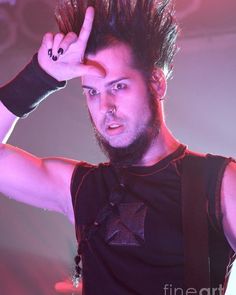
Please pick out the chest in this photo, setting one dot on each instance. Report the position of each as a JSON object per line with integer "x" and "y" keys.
{"x": 147, "y": 217}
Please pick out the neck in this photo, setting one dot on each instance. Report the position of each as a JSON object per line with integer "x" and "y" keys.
{"x": 163, "y": 145}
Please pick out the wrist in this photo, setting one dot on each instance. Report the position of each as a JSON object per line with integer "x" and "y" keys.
{"x": 30, "y": 87}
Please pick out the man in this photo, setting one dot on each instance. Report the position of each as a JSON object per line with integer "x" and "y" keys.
{"x": 127, "y": 212}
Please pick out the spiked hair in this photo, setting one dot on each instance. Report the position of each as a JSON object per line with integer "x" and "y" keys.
{"x": 147, "y": 26}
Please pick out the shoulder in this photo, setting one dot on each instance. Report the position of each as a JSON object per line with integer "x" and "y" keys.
{"x": 83, "y": 169}
{"x": 230, "y": 171}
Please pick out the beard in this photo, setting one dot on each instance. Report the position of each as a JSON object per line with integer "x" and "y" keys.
{"x": 133, "y": 153}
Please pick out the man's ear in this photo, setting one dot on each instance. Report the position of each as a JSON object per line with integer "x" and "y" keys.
{"x": 159, "y": 83}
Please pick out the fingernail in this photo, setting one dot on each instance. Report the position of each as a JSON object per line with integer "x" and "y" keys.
{"x": 60, "y": 51}
{"x": 50, "y": 52}
{"x": 54, "y": 58}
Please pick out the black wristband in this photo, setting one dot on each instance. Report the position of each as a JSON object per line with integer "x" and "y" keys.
{"x": 32, "y": 85}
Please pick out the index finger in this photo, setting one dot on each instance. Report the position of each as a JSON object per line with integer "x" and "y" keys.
{"x": 86, "y": 29}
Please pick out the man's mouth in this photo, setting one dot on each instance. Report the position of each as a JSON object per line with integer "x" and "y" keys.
{"x": 114, "y": 128}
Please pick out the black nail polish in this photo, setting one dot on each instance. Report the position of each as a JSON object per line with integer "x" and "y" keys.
{"x": 50, "y": 52}
{"x": 54, "y": 58}
{"x": 60, "y": 51}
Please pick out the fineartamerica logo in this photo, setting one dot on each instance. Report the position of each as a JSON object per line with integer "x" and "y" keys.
{"x": 170, "y": 290}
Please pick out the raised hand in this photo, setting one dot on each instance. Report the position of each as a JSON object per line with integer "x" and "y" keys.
{"x": 61, "y": 56}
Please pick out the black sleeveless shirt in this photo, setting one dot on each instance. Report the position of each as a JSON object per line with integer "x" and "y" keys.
{"x": 137, "y": 248}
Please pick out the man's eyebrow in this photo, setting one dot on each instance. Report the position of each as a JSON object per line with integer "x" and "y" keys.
{"x": 115, "y": 81}
{"x": 87, "y": 87}
{"x": 108, "y": 84}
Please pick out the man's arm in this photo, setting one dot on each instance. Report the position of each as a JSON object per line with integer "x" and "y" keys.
{"x": 44, "y": 182}
{"x": 228, "y": 203}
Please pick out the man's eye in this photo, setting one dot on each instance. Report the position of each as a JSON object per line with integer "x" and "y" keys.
{"x": 93, "y": 92}
{"x": 119, "y": 86}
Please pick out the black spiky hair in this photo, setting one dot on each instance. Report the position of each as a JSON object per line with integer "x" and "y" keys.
{"x": 147, "y": 26}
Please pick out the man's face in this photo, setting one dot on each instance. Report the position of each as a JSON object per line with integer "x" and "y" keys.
{"x": 119, "y": 104}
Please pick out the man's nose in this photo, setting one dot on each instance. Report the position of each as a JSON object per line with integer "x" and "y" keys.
{"x": 107, "y": 102}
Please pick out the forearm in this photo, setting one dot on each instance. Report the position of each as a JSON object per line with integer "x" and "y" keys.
{"x": 7, "y": 123}
{"x": 22, "y": 95}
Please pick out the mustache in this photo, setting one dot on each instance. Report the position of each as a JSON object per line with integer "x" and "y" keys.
{"x": 111, "y": 118}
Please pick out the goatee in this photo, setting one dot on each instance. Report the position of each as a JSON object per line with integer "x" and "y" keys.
{"x": 134, "y": 152}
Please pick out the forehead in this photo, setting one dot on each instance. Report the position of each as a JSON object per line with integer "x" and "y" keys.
{"x": 115, "y": 61}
